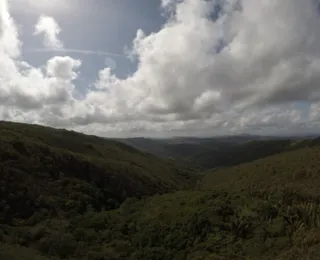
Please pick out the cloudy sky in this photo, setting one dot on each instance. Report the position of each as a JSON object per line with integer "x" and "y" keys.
{"x": 162, "y": 68}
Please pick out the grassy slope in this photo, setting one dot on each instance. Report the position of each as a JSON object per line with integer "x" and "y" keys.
{"x": 296, "y": 170}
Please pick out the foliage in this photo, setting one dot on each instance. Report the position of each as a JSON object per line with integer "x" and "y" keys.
{"x": 182, "y": 225}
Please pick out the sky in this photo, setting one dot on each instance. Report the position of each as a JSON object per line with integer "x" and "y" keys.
{"x": 162, "y": 68}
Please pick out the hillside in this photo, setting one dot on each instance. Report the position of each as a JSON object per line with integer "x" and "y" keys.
{"x": 296, "y": 170}
{"x": 61, "y": 171}
{"x": 65, "y": 195}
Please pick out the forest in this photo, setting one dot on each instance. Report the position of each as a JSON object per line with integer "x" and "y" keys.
{"x": 66, "y": 195}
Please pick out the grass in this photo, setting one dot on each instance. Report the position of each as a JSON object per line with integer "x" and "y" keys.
{"x": 297, "y": 170}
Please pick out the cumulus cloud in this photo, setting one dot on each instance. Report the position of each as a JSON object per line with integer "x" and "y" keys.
{"x": 215, "y": 67}
{"x": 63, "y": 68}
{"x": 9, "y": 41}
{"x": 245, "y": 59}
{"x": 50, "y": 29}
{"x": 28, "y": 88}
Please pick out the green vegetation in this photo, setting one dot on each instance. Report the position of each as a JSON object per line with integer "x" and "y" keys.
{"x": 296, "y": 170}
{"x": 65, "y": 195}
{"x": 42, "y": 161}
{"x": 181, "y": 225}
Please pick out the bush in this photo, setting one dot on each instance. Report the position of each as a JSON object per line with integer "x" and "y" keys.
{"x": 56, "y": 244}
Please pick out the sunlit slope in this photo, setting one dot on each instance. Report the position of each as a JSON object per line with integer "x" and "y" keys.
{"x": 298, "y": 170}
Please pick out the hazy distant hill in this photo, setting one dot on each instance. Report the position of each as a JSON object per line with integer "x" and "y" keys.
{"x": 186, "y": 147}
{"x": 216, "y": 152}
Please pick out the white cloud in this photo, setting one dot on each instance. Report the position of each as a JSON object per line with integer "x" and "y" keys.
{"x": 25, "y": 90}
{"x": 63, "y": 68}
{"x": 50, "y": 29}
{"x": 32, "y": 89}
{"x": 9, "y": 42}
{"x": 202, "y": 73}
{"x": 267, "y": 59}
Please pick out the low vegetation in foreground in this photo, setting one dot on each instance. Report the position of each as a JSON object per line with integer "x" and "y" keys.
{"x": 181, "y": 225}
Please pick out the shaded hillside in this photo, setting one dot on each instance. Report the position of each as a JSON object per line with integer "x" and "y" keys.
{"x": 53, "y": 172}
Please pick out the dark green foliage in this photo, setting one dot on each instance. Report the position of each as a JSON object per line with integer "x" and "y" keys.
{"x": 182, "y": 225}
{"x": 14, "y": 252}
